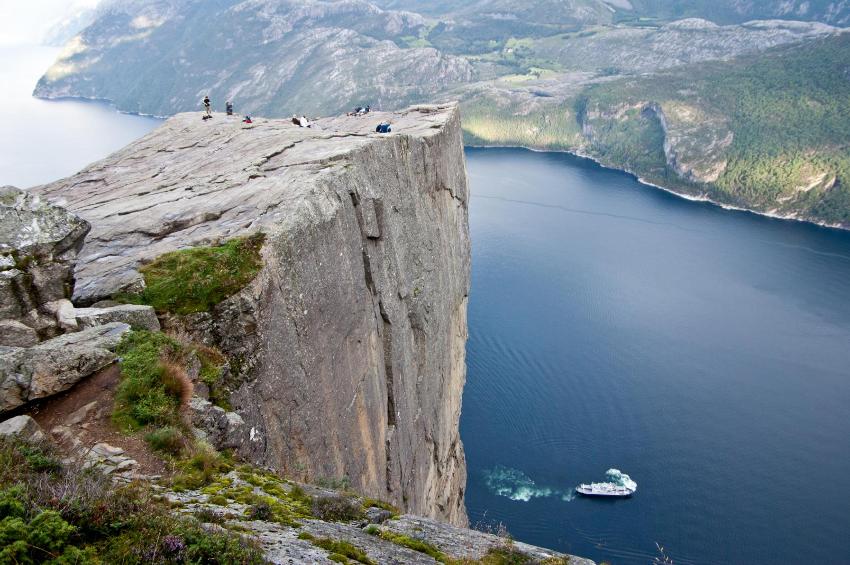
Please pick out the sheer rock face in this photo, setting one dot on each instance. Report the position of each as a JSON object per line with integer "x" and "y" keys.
{"x": 349, "y": 346}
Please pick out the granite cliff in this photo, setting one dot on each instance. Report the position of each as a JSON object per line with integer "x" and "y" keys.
{"x": 347, "y": 349}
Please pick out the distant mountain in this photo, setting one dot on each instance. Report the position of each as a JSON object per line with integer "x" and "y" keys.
{"x": 274, "y": 57}
{"x": 614, "y": 79}
{"x": 835, "y": 12}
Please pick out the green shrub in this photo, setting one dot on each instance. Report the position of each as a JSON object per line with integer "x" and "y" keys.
{"x": 336, "y": 508}
{"x": 168, "y": 440}
{"x": 375, "y": 503}
{"x": 196, "y": 279}
{"x": 261, "y": 510}
{"x": 201, "y": 469}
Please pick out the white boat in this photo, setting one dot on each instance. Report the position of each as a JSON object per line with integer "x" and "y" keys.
{"x": 604, "y": 489}
{"x": 620, "y": 486}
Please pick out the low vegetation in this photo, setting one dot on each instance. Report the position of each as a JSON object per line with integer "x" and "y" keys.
{"x": 197, "y": 279}
{"x": 408, "y": 542}
{"x": 155, "y": 388}
{"x": 338, "y": 549}
{"x": 62, "y": 514}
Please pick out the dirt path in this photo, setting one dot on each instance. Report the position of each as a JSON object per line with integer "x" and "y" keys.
{"x": 86, "y": 411}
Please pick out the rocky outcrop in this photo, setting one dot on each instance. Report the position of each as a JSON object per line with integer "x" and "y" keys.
{"x": 55, "y": 365}
{"x": 223, "y": 429}
{"x": 349, "y": 345}
{"x": 695, "y": 142}
{"x": 38, "y": 246}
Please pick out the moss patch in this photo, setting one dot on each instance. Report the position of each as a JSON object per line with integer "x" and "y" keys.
{"x": 409, "y": 542}
{"x": 338, "y": 548}
{"x": 195, "y": 280}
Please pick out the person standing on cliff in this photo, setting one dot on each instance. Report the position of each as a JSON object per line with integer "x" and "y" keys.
{"x": 207, "y": 107}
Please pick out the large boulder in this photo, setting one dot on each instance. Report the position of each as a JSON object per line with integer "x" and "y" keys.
{"x": 39, "y": 243}
{"x": 55, "y": 365}
{"x": 21, "y": 427}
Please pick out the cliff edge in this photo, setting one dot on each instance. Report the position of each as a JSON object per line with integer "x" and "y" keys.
{"x": 347, "y": 351}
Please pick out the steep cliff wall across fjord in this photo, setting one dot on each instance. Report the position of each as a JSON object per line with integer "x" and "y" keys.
{"x": 348, "y": 348}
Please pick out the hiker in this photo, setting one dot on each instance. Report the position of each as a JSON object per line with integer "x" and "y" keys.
{"x": 384, "y": 127}
{"x": 207, "y": 107}
{"x": 228, "y": 106}
{"x": 247, "y": 120}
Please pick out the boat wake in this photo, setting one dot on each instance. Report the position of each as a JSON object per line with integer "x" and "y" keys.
{"x": 516, "y": 485}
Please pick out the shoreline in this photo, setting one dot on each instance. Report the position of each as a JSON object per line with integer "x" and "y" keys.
{"x": 103, "y": 101}
{"x": 683, "y": 195}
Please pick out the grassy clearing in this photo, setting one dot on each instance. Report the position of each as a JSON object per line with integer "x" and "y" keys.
{"x": 195, "y": 280}
{"x": 63, "y": 514}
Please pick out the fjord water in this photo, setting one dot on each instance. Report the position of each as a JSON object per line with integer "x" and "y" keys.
{"x": 42, "y": 140}
{"x": 704, "y": 352}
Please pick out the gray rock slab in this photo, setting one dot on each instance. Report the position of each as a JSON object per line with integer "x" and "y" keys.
{"x": 139, "y": 317}
{"x": 379, "y": 550}
{"x": 462, "y": 543}
{"x": 16, "y": 334}
{"x": 55, "y": 365}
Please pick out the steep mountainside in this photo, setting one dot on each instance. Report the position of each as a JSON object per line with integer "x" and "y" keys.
{"x": 348, "y": 348}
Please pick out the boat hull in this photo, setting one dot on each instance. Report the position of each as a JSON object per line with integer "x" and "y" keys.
{"x": 601, "y": 495}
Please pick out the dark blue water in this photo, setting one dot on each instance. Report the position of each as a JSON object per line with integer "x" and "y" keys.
{"x": 704, "y": 352}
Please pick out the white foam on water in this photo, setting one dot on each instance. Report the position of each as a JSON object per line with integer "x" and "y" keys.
{"x": 514, "y": 484}
{"x": 619, "y": 478}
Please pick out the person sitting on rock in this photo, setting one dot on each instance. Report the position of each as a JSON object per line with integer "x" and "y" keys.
{"x": 384, "y": 127}
{"x": 247, "y": 120}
